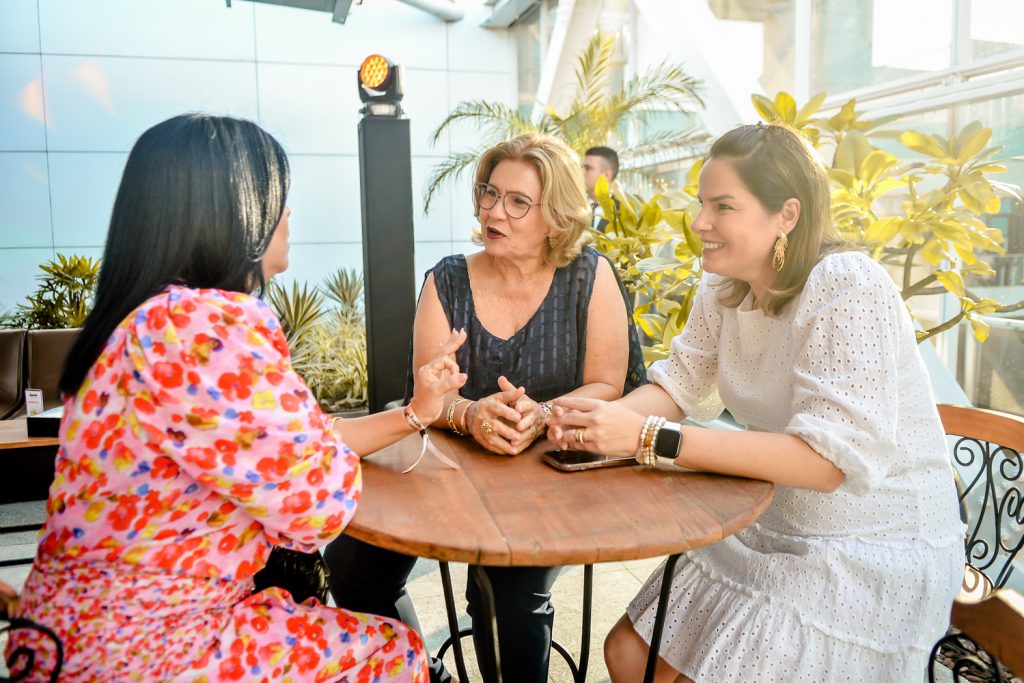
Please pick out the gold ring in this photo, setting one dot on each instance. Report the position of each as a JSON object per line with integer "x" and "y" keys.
{"x": 486, "y": 426}
{"x": 581, "y": 435}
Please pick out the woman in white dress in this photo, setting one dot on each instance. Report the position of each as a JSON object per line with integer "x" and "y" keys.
{"x": 850, "y": 573}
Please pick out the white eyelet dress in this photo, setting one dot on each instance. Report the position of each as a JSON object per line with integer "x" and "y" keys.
{"x": 854, "y": 585}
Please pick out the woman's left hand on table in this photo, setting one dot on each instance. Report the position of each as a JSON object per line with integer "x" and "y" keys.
{"x": 531, "y": 425}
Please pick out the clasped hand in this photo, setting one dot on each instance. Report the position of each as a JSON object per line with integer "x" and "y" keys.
{"x": 507, "y": 421}
{"x": 588, "y": 424}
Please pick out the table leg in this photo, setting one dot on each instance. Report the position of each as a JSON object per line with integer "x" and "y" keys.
{"x": 489, "y": 620}
{"x": 588, "y": 593}
{"x": 453, "y": 623}
{"x": 659, "y": 617}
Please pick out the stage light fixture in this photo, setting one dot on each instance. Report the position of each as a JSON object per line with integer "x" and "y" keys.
{"x": 380, "y": 87}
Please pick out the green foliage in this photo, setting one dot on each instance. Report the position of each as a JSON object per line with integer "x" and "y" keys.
{"x": 936, "y": 240}
{"x": 327, "y": 337}
{"x": 63, "y": 298}
{"x": 595, "y": 116}
{"x": 656, "y": 252}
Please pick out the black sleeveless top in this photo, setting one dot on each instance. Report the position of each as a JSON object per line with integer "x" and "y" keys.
{"x": 546, "y": 356}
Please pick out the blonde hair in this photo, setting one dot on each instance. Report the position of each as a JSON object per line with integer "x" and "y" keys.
{"x": 776, "y": 164}
{"x": 563, "y": 196}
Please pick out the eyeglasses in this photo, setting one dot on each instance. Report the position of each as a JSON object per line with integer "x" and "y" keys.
{"x": 516, "y": 204}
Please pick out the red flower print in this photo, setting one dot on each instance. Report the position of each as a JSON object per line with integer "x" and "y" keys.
{"x": 202, "y": 457}
{"x": 169, "y": 375}
{"x": 274, "y": 377}
{"x": 227, "y": 544}
{"x": 272, "y": 468}
{"x": 305, "y": 657}
{"x": 157, "y": 318}
{"x": 164, "y": 468}
{"x": 290, "y": 403}
{"x": 121, "y": 517}
{"x": 231, "y": 669}
{"x": 89, "y": 401}
{"x": 315, "y": 476}
{"x": 296, "y": 503}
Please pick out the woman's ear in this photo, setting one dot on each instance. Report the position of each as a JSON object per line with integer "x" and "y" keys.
{"x": 789, "y": 214}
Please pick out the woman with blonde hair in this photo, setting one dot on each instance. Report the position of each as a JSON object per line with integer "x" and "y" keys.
{"x": 850, "y": 572}
{"x": 546, "y": 316}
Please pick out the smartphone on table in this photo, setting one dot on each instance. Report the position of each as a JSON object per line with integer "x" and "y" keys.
{"x": 574, "y": 461}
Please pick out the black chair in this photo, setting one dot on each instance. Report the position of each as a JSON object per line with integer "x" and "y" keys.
{"x": 12, "y": 349}
{"x": 22, "y": 661}
{"x": 987, "y": 622}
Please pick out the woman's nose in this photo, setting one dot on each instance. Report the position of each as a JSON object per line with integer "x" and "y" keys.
{"x": 700, "y": 223}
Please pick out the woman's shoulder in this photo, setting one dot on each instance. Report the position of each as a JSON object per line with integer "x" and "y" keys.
{"x": 849, "y": 268}
{"x": 203, "y": 310}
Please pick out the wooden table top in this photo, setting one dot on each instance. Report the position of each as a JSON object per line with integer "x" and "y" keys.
{"x": 499, "y": 510}
{"x": 13, "y": 434}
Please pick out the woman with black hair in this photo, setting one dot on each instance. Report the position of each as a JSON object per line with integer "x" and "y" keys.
{"x": 189, "y": 446}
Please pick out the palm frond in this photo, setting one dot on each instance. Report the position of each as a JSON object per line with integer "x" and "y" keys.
{"x": 592, "y": 69}
{"x": 665, "y": 85}
{"x": 499, "y": 119}
{"x": 298, "y": 310}
{"x": 345, "y": 287}
{"x": 446, "y": 171}
{"x": 692, "y": 142}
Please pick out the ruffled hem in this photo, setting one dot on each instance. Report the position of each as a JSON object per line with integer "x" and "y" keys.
{"x": 717, "y": 629}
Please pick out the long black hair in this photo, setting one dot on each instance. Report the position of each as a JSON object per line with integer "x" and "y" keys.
{"x": 198, "y": 204}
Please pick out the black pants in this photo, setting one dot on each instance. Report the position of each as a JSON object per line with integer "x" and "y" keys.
{"x": 365, "y": 578}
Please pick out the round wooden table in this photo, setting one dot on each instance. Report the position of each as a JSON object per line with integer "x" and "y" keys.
{"x": 517, "y": 511}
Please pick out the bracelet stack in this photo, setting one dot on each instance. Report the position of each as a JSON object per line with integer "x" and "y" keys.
{"x": 545, "y": 408}
{"x": 450, "y": 416}
{"x": 645, "y": 450}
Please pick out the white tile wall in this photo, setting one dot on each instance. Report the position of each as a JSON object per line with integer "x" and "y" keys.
{"x": 106, "y": 70}
{"x": 324, "y": 199}
{"x": 103, "y": 104}
{"x": 25, "y": 198}
{"x": 82, "y": 191}
{"x": 21, "y": 103}
{"x": 19, "y": 26}
{"x": 187, "y": 29}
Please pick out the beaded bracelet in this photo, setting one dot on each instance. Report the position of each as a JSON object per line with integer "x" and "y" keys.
{"x": 649, "y": 456}
{"x": 450, "y": 416}
{"x": 643, "y": 437}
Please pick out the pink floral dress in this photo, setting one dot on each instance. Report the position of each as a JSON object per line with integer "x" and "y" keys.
{"x": 191, "y": 448}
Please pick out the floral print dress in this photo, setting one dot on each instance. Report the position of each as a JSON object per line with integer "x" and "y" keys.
{"x": 190, "y": 449}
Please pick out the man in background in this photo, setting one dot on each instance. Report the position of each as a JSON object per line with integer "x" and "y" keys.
{"x": 597, "y": 162}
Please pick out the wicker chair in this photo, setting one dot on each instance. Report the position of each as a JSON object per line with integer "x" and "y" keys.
{"x": 987, "y": 621}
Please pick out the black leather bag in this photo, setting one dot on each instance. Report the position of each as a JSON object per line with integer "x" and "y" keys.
{"x": 304, "y": 575}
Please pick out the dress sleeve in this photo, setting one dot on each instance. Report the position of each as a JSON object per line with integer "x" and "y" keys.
{"x": 220, "y": 398}
{"x": 849, "y": 329}
{"x": 690, "y": 372}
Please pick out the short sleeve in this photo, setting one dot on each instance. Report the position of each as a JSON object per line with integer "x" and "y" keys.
{"x": 849, "y": 333}
{"x": 219, "y": 397}
{"x": 690, "y": 372}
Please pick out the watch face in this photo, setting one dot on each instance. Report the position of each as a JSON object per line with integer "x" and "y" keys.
{"x": 667, "y": 443}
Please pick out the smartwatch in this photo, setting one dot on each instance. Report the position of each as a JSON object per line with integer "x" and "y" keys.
{"x": 668, "y": 441}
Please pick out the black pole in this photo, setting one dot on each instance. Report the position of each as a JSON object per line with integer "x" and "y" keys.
{"x": 385, "y": 179}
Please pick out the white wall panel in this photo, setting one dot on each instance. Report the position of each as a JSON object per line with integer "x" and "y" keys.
{"x": 324, "y": 199}
{"x": 437, "y": 225}
{"x": 21, "y": 104}
{"x": 471, "y": 47}
{"x": 19, "y": 29}
{"x": 83, "y": 187}
{"x": 25, "y": 198}
{"x": 404, "y": 35}
{"x": 104, "y": 104}
{"x": 310, "y": 109}
{"x": 426, "y": 106}
{"x": 465, "y": 85}
{"x": 191, "y": 29}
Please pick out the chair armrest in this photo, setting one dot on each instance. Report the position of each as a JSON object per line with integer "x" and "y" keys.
{"x": 996, "y": 624}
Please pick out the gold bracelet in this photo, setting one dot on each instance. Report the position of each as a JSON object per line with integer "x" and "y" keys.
{"x": 465, "y": 417}
{"x": 450, "y": 416}
{"x": 331, "y": 421}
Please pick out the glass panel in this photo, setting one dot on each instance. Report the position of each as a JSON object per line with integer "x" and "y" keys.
{"x": 993, "y": 373}
{"x": 996, "y": 27}
{"x": 858, "y": 44}
{"x": 528, "y": 50}
{"x": 760, "y": 35}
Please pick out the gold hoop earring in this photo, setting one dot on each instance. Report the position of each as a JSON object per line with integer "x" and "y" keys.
{"x": 779, "y": 255}
{"x": 551, "y": 242}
